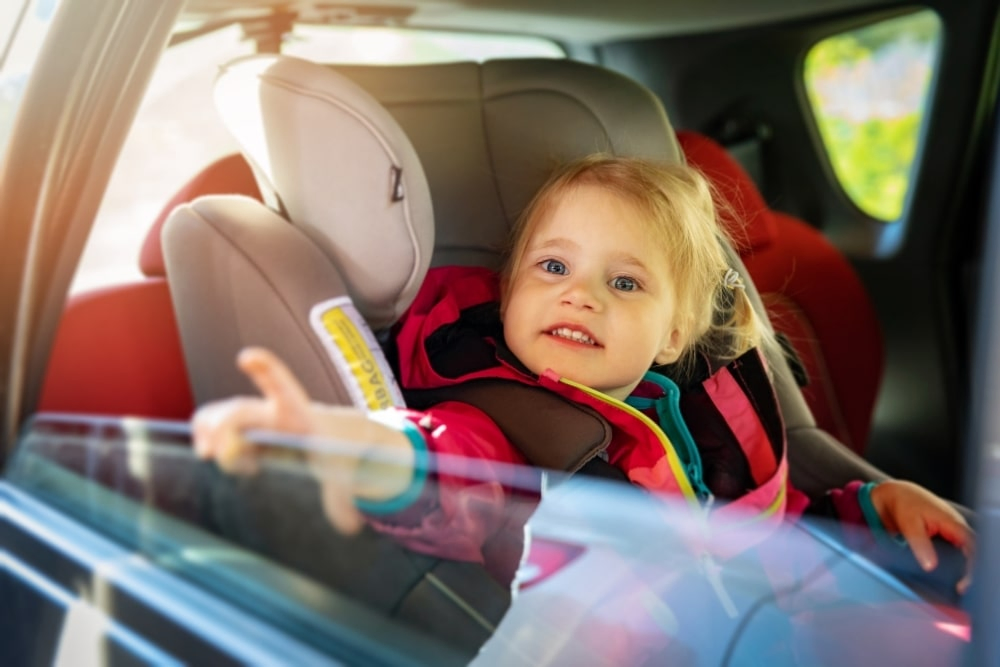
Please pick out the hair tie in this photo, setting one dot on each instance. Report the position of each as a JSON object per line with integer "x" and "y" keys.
{"x": 731, "y": 280}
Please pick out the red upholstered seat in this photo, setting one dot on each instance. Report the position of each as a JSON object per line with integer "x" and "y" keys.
{"x": 117, "y": 350}
{"x": 812, "y": 294}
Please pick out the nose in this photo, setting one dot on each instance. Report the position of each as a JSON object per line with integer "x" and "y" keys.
{"x": 583, "y": 293}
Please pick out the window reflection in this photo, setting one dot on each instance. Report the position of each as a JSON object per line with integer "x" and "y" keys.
{"x": 607, "y": 574}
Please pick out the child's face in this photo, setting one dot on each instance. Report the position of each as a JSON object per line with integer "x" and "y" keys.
{"x": 592, "y": 298}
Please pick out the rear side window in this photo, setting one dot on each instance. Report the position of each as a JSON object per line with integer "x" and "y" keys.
{"x": 869, "y": 90}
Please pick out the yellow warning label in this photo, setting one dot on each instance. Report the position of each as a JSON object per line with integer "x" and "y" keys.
{"x": 360, "y": 359}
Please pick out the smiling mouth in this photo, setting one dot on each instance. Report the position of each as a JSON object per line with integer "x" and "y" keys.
{"x": 573, "y": 335}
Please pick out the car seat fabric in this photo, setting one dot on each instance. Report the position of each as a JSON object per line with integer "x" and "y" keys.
{"x": 811, "y": 293}
{"x": 117, "y": 349}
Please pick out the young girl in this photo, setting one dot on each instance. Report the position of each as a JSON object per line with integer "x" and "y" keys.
{"x": 617, "y": 267}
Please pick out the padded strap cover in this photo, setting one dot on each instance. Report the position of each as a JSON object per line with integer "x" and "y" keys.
{"x": 551, "y": 432}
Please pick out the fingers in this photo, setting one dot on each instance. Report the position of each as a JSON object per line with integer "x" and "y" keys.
{"x": 969, "y": 550}
{"x": 218, "y": 430}
{"x": 958, "y": 533}
{"x": 218, "y": 427}
{"x": 218, "y": 433}
{"x": 914, "y": 531}
{"x": 278, "y": 385}
{"x": 963, "y": 584}
{"x": 938, "y": 519}
{"x": 918, "y": 515}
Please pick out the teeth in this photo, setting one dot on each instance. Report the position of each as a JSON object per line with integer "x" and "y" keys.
{"x": 566, "y": 332}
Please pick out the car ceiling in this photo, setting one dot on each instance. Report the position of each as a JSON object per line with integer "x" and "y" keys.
{"x": 571, "y": 21}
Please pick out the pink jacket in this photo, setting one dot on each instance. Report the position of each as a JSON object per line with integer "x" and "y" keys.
{"x": 470, "y": 512}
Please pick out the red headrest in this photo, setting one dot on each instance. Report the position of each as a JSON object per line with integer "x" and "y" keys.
{"x": 744, "y": 214}
{"x": 228, "y": 175}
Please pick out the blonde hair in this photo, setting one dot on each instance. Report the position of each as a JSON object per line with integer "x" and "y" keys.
{"x": 714, "y": 317}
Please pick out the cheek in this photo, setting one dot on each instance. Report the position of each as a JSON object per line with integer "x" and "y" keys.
{"x": 511, "y": 315}
{"x": 517, "y": 306}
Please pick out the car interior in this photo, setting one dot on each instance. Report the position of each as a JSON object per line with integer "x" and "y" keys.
{"x": 245, "y": 249}
{"x": 826, "y": 290}
{"x": 231, "y": 271}
{"x": 164, "y": 391}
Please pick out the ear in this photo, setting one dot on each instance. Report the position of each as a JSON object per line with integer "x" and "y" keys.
{"x": 671, "y": 350}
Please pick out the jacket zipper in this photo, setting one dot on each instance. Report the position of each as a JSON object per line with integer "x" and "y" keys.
{"x": 689, "y": 480}
{"x": 683, "y": 480}
{"x": 693, "y": 464}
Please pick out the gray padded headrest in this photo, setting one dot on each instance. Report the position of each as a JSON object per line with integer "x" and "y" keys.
{"x": 340, "y": 168}
{"x": 489, "y": 134}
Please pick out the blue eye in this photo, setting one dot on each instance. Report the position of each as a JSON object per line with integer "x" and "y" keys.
{"x": 554, "y": 266}
{"x": 624, "y": 284}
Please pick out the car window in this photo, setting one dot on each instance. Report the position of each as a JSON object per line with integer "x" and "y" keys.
{"x": 608, "y": 573}
{"x": 869, "y": 89}
{"x": 177, "y": 131}
{"x": 22, "y": 31}
{"x": 261, "y": 543}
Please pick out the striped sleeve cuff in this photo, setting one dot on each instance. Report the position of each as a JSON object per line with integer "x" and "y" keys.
{"x": 872, "y": 518}
{"x": 421, "y": 459}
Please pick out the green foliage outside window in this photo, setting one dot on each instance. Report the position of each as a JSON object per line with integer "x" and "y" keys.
{"x": 868, "y": 90}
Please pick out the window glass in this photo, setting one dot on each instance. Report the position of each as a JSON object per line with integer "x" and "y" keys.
{"x": 605, "y": 573}
{"x": 177, "y": 131}
{"x": 18, "y": 51}
{"x": 869, "y": 91}
{"x": 175, "y": 134}
{"x": 260, "y": 542}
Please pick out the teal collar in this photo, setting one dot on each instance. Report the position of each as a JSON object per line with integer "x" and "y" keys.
{"x": 670, "y": 420}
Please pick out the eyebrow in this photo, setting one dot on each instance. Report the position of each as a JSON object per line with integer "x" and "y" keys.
{"x": 629, "y": 260}
{"x": 557, "y": 242}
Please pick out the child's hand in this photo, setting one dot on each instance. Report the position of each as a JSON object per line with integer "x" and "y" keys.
{"x": 218, "y": 427}
{"x": 218, "y": 430}
{"x": 918, "y": 515}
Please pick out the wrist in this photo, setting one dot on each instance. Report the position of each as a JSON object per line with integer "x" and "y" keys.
{"x": 390, "y": 476}
{"x": 869, "y": 510}
{"x": 872, "y": 507}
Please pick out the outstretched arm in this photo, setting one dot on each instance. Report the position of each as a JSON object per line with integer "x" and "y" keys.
{"x": 379, "y": 467}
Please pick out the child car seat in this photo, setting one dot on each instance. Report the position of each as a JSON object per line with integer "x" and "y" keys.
{"x": 487, "y": 135}
{"x": 811, "y": 293}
